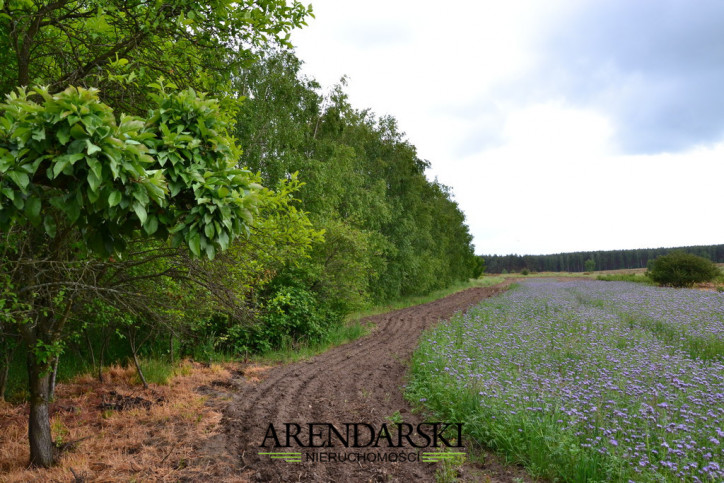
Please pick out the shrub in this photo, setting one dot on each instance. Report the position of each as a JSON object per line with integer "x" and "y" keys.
{"x": 291, "y": 315}
{"x": 680, "y": 269}
{"x": 525, "y": 271}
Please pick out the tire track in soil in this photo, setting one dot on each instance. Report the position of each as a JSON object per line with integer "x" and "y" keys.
{"x": 361, "y": 381}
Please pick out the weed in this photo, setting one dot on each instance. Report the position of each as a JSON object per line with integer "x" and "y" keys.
{"x": 396, "y": 418}
{"x": 449, "y": 468}
{"x": 60, "y": 431}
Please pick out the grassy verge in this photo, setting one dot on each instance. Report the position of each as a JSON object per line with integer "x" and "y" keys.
{"x": 337, "y": 335}
{"x": 403, "y": 303}
{"x": 626, "y": 277}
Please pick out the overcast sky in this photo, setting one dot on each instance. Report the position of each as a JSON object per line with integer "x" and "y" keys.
{"x": 561, "y": 125}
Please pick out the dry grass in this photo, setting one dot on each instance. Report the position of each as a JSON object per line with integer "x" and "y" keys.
{"x": 134, "y": 444}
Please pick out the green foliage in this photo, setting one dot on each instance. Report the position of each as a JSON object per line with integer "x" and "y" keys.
{"x": 680, "y": 269}
{"x": 282, "y": 237}
{"x": 291, "y": 315}
{"x": 478, "y": 267}
{"x": 590, "y": 265}
{"x": 389, "y": 232}
{"x": 626, "y": 277}
{"x": 525, "y": 271}
{"x": 80, "y": 188}
{"x": 603, "y": 260}
{"x": 92, "y": 43}
{"x": 67, "y": 162}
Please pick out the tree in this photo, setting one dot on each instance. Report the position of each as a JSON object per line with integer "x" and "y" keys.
{"x": 79, "y": 186}
{"x": 96, "y": 43}
{"x": 364, "y": 185}
{"x": 681, "y": 269}
{"x": 590, "y": 265}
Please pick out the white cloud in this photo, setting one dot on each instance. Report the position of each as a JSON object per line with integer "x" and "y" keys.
{"x": 528, "y": 118}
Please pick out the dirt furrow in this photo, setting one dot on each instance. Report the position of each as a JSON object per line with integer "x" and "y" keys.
{"x": 361, "y": 382}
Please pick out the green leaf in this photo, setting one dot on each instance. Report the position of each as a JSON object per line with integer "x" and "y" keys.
{"x": 210, "y": 251}
{"x": 195, "y": 244}
{"x": 39, "y": 134}
{"x": 63, "y": 135}
{"x": 223, "y": 240}
{"x": 209, "y": 231}
{"x": 95, "y": 166}
{"x": 72, "y": 209}
{"x": 93, "y": 196}
{"x": 77, "y": 131}
{"x": 94, "y": 181}
{"x": 19, "y": 178}
{"x": 61, "y": 162}
{"x": 91, "y": 148}
{"x": 223, "y": 192}
{"x": 151, "y": 225}
{"x": 114, "y": 198}
{"x": 9, "y": 193}
{"x": 49, "y": 224}
{"x": 140, "y": 211}
{"x": 32, "y": 209}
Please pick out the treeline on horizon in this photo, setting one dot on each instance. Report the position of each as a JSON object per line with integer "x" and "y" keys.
{"x": 602, "y": 260}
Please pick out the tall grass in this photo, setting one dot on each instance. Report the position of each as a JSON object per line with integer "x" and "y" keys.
{"x": 405, "y": 302}
{"x": 626, "y": 277}
{"x": 336, "y": 335}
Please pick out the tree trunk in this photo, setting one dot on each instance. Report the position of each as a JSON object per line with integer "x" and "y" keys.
{"x": 7, "y": 358}
{"x": 41, "y": 442}
{"x": 104, "y": 343}
{"x": 170, "y": 347}
{"x": 53, "y": 376}
{"x": 4, "y": 371}
{"x": 90, "y": 349}
{"x": 138, "y": 368}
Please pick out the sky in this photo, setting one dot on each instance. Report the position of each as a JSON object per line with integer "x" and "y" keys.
{"x": 560, "y": 125}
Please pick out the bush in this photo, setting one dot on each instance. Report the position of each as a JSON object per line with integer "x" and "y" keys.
{"x": 291, "y": 315}
{"x": 680, "y": 269}
{"x": 525, "y": 271}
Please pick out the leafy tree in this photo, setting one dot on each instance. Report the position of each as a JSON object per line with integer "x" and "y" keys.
{"x": 681, "y": 269}
{"x": 97, "y": 43}
{"x": 364, "y": 185}
{"x": 79, "y": 186}
{"x": 590, "y": 265}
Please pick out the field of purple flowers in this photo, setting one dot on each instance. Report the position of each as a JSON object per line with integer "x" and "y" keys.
{"x": 586, "y": 381}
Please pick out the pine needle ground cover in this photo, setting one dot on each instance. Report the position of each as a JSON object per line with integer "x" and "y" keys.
{"x": 585, "y": 381}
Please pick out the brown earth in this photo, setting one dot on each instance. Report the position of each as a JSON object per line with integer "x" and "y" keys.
{"x": 360, "y": 382}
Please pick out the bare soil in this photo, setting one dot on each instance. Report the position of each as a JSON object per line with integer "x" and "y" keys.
{"x": 360, "y": 382}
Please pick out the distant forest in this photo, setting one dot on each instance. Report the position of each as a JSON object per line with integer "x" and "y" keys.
{"x": 603, "y": 260}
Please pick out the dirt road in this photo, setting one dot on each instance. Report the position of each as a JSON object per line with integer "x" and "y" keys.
{"x": 361, "y": 382}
